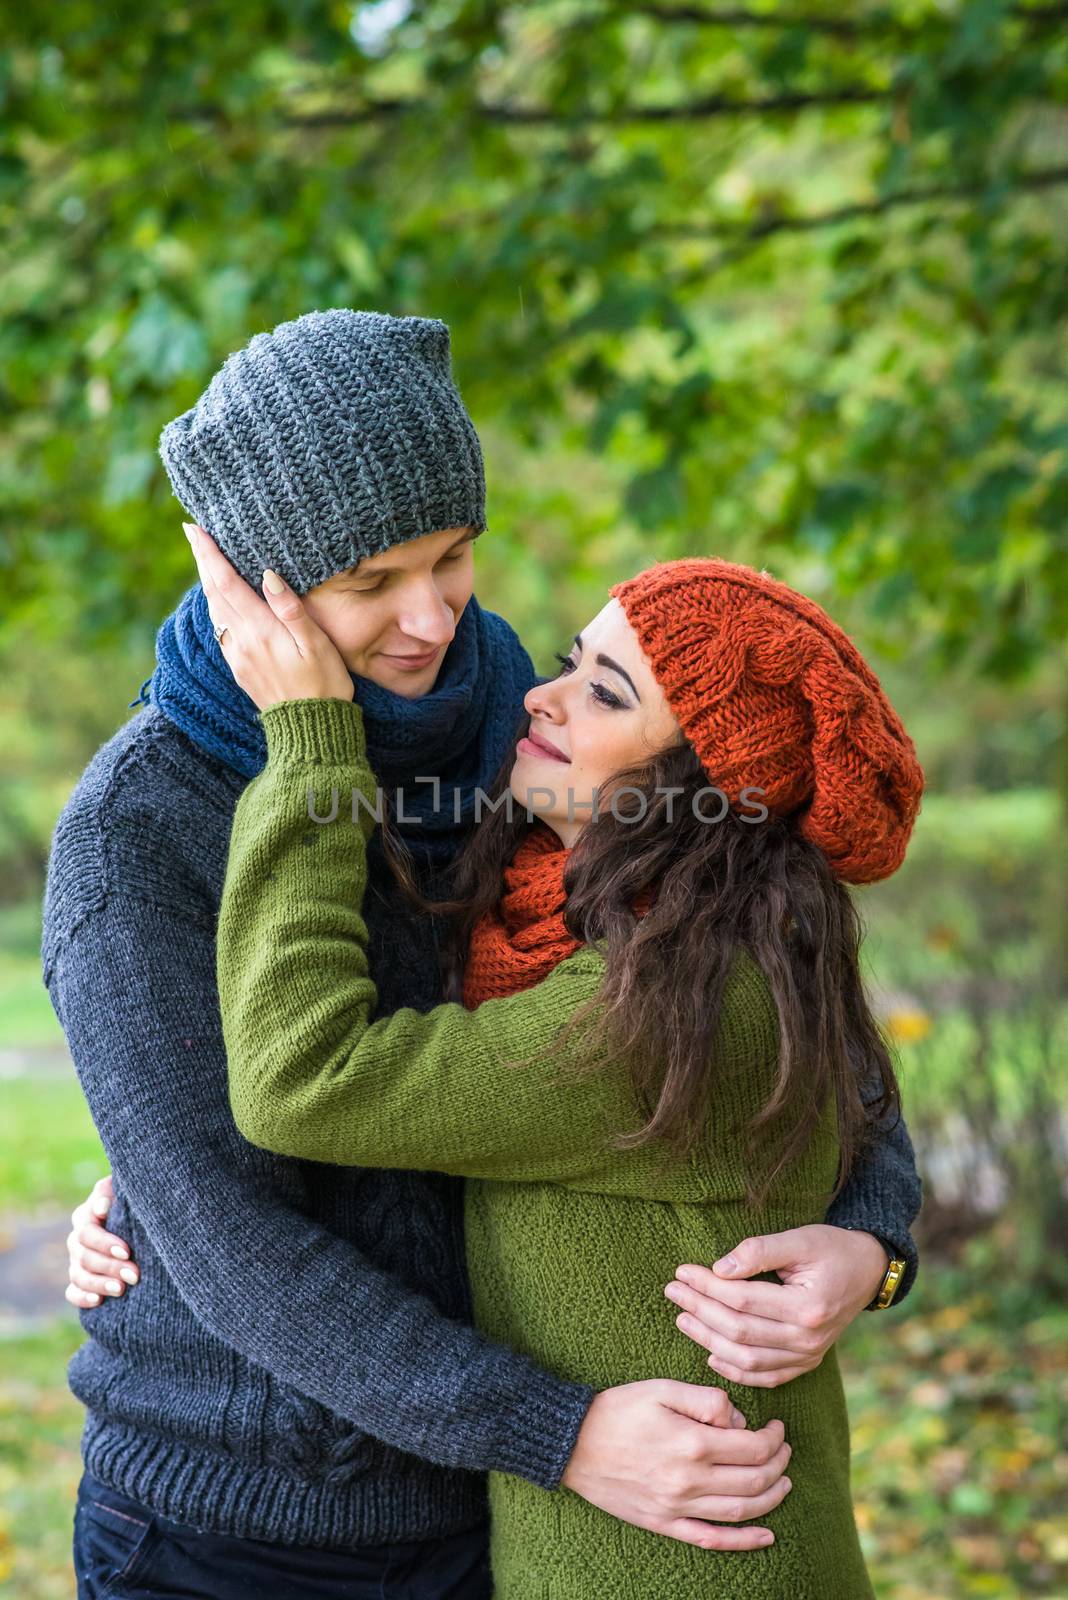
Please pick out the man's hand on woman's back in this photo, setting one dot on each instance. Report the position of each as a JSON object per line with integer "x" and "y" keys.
{"x": 671, "y": 1457}
{"x": 677, "y": 1458}
{"x": 764, "y": 1334}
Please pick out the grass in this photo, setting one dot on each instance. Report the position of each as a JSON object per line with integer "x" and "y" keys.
{"x": 40, "y": 1462}
{"x": 958, "y": 1405}
{"x": 960, "y": 1472}
{"x": 50, "y": 1154}
{"x": 26, "y": 1015}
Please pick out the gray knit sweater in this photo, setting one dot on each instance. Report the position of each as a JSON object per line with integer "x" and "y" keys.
{"x": 297, "y": 1363}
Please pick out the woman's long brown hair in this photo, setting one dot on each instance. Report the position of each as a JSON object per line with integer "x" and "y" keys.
{"x": 721, "y": 886}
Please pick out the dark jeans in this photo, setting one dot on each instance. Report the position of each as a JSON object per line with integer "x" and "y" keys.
{"x": 124, "y": 1551}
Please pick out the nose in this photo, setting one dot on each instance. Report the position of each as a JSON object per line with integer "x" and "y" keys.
{"x": 426, "y": 615}
{"x": 545, "y": 700}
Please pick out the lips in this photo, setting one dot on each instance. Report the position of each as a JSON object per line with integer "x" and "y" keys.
{"x": 545, "y": 748}
{"x": 416, "y": 660}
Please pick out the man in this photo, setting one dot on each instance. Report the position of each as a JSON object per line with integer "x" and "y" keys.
{"x": 310, "y": 1412}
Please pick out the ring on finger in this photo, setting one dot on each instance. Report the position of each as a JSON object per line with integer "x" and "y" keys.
{"x": 218, "y": 632}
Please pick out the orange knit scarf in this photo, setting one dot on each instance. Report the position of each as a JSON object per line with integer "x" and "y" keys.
{"x": 523, "y": 938}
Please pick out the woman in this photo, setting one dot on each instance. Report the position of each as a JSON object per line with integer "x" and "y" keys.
{"x": 663, "y": 1021}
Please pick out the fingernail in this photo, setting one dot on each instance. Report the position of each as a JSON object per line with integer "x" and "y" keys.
{"x": 684, "y": 1275}
{"x": 787, "y": 1484}
{"x": 766, "y": 1538}
{"x": 738, "y": 1419}
{"x": 113, "y": 1286}
{"x": 119, "y": 1253}
{"x": 727, "y": 1265}
{"x": 673, "y": 1293}
{"x": 189, "y": 531}
{"x": 273, "y": 583}
{"x": 100, "y": 1208}
{"x": 93, "y": 1299}
{"x": 128, "y": 1275}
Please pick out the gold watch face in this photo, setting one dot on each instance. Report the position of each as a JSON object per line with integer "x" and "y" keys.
{"x": 894, "y": 1273}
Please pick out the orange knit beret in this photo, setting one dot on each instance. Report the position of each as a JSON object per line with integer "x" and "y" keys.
{"x": 774, "y": 696}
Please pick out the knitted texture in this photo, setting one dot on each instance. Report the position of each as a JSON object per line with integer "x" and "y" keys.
{"x": 773, "y": 696}
{"x": 521, "y": 939}
{"x": 569, "y": 1239}
{"x": 297, "y": 1362}
{"x": 459, "y": 732}
{"x": 328, "y": 440}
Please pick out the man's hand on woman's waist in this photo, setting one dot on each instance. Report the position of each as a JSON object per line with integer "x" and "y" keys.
{"x": 763, "y": 1334}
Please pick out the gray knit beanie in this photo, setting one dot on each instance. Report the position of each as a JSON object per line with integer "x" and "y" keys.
{"x": 328, "y": 440}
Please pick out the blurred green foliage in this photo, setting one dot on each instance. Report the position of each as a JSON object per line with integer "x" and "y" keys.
{"x": 776, "y": 283}
{"x": 26, "y": 1015}
{"x": 798, "y": 283}
{"x": 40, "y": 1463}
{"x": 50, "y": 1155}
{"x": 959, "y": 1472}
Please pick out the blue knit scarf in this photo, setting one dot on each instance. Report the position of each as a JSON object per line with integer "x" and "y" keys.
{"x": 460, "y": 732}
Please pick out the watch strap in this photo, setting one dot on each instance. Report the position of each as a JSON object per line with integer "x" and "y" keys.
{"x": 889, "y": 1286}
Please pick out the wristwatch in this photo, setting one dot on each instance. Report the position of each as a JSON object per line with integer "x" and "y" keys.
{"x": 889, "y": 1286}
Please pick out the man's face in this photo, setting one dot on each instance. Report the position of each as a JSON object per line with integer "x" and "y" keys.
{"x": 393, "y": 615}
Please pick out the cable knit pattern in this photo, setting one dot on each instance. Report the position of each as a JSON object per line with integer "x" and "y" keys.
{"x": 569, "y": 1240}
{"x": 774, "y": 696}
{"x": 257, "y": 1422}
{"x": 297, "y": 1362}
{"x": 332, "y": 438}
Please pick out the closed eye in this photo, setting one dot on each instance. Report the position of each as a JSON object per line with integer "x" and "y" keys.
{"x": 453, "y": 555}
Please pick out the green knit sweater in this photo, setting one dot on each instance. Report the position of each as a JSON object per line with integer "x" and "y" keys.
{"x": 569, "y": 1240}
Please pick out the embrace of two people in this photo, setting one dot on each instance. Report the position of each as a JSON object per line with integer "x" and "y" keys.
{"x": 446, "y": 1026}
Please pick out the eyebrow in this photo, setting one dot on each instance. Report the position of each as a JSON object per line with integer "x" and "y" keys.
{"x": 613, "y": 666}
{"x": 349, "y": 572}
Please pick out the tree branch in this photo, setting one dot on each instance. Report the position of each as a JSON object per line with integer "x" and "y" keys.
{"x": 548, "y": 116}
{"x": 783, "y": 222}
{"x": 842, "y": 27}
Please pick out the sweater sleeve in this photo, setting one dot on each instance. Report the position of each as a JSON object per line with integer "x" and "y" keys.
{"x": 480, "y": 1093}
{"x": 882, "y": 1196}
{"x": 134, "y": 987}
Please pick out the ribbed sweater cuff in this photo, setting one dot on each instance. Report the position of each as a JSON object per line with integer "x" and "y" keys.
{"x": 326, "y": 733}
{"x": 539, "y": 1427}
